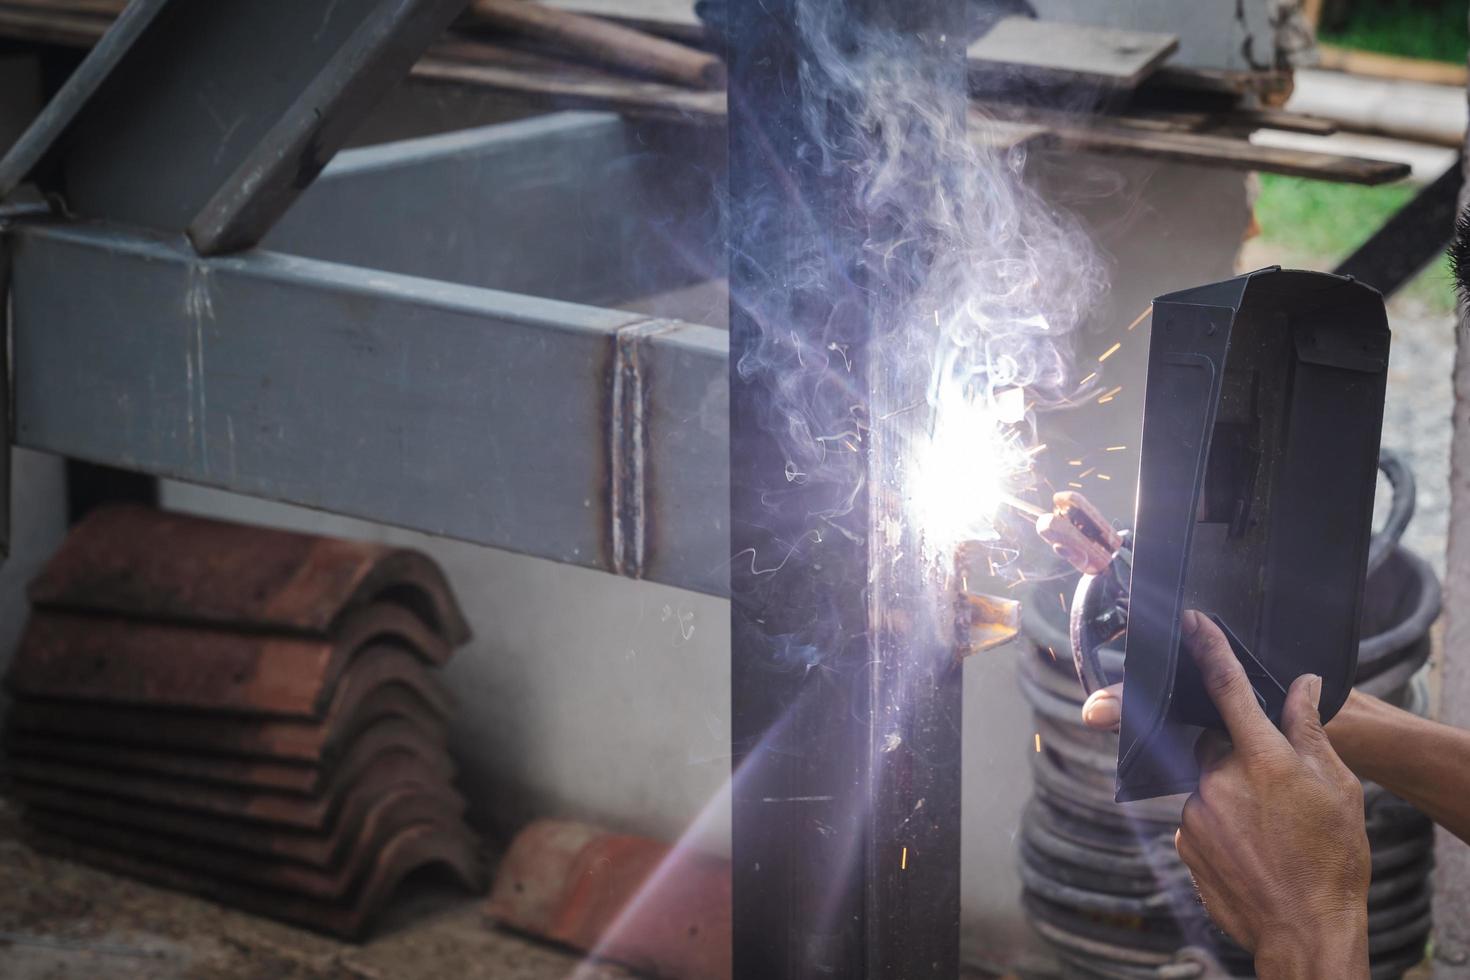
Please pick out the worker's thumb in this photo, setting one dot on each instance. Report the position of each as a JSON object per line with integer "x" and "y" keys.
{"x": 1300, "y": 720}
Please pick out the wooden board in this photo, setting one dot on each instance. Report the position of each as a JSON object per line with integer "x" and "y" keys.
{"x": 672, "y": 18}
{"x": 1373, "y": 65}
{"x": 1101, "y": 55}
{"x": 558, "y": 84}
{"x": 1228, "y": 152}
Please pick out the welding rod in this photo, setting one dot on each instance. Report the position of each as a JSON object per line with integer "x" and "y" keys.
{"x": 602, "y": 41}
{"x": 1023, "y": 506}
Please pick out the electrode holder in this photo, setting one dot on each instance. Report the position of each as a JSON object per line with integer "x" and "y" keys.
{"x": 1256, "y": 481}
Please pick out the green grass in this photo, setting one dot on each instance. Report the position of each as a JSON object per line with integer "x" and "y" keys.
{"x": 1413, "y": 28}
{"x": 1319, "y": 224}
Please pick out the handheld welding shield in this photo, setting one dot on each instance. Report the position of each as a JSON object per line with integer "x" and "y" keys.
{"x": 1255, "y": 499}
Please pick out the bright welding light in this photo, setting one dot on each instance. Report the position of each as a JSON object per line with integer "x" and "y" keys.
{"x": 971, "y": 463}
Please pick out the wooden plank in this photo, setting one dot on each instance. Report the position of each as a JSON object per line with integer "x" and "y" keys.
{"x": 1374, "y": 65}
{"x": 602, "y": 42}
{"x": 1272, "y": 87}
{"x": 107, "y": 8}
{"x": 558, "y": 84}
{"x": 1279, "y": 119}
{"x": 671, "y": 18}
{"x": 1228, "y": 152}
{"x": 49, "y": 28}
{"x": 62, "y": 110}
{"x": 1230, "y": 120}
{"x": 1102, "y": 55}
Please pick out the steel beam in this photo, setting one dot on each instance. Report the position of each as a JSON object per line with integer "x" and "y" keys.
{"x": 578, "y": 206}
{"x": 845, "y": 720}
{"x": 177, "y": 127}
{"x": 1411, "y": 239}
{"x": 582, "y": 435}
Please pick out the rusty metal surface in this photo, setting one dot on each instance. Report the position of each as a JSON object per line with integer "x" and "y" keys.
{"x": 359, "y": 702}
{"x": 153, "y": 564}
{"x": 361, "y": 814}
{"x": 81, "y": 657}
{"x": 417, "y": 847}
{"x": 387, "y": 735}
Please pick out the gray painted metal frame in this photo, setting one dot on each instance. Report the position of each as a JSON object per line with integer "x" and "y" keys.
{"x": 75, "y": 92}
{"x": 588, "y": 436}
{"x": 578, "y": 206}
{"x": 177, "y": 128}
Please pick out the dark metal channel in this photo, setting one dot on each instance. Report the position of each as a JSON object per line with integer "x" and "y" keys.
{"x": 1412, "y": 238}
{"x": 845, "y": 699}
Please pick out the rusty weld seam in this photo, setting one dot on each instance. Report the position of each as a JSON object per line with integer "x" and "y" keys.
{"x": 627, "y": 452}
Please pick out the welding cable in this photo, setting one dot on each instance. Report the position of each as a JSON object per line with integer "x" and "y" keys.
{"x": 1147, "y": 860}
{"x": 1153, "y": 905}
{"x": 1400, "y": 507}
{"x": 1098, "y": 616}
{"x": 1394, "y": 679}
{"x": 1088, "y": 879}
{"x": 1406, "y": 580}
{"x": 1085, "y": 833}
{"x": 1157, "y": 933}
{"x": 1110, "y": 953}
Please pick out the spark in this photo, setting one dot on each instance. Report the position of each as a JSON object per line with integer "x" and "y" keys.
{"x": 1074, "y": 462}
{"x": 1109, "y": 395}
{"x": 1141, "y": 317}
{"x": 1115, "y": 449}
{"x": 1053, "y": 654}
{"x": 903, "y": 862}
{"x": 1110, "y": 351}
{"x": 1038, "y": 741}
{"x": 1077, "y": 485}
{"x": 1063, "y": 600}
{"x": 899, "y": 411}
{"x": 1083, "y": 382}
{"x": 936, "y": 318}
{"x": 1035, "y": 450}
{"x": 1103, "y": 476}
{"x": 1086, "y": 473}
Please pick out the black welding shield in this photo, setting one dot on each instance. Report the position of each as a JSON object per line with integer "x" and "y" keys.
{"x": 1255, "y": 501}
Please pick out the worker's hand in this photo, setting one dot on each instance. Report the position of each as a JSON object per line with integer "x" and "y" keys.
{"x": 1103, "y": 708}
{"x": 1274, "y": 836}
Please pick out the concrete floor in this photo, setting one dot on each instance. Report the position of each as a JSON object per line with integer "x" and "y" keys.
{"x": 60, "y": 921}
{"x": 66, "y": 921}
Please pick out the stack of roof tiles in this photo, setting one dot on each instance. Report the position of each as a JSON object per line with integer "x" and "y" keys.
{"x": 248, "y": 714}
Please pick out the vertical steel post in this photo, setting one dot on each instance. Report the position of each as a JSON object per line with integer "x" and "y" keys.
{"x": 845, "y": 688}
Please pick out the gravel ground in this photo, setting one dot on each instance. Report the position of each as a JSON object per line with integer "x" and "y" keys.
{"x": 1416, "y": 417}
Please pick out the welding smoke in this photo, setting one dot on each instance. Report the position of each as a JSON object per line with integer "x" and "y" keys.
{"x": 972, "y": 285}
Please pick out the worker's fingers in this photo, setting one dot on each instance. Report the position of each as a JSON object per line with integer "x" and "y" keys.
{"x": 1211, "y": 749}
{"x": 1226, "y": 683}
{"x": 1300, "y": 720}
{"x": 1103, "y": 709}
